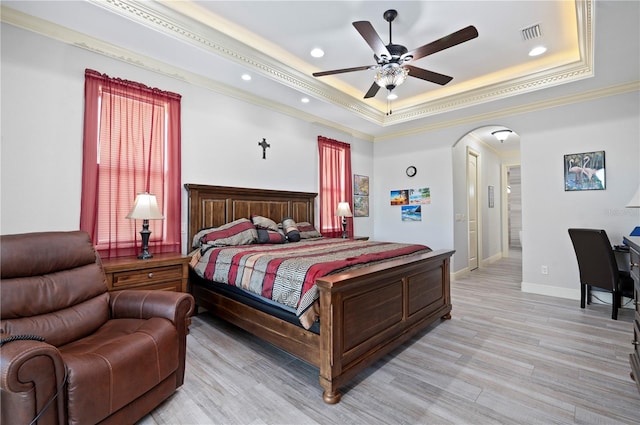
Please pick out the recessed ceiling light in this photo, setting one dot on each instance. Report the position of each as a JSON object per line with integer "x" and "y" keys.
{"x": 537, "y": 51}
{"x": 304, "y": 100}
{"x": 317, "y": 52}
{"x": 246, "y": 77}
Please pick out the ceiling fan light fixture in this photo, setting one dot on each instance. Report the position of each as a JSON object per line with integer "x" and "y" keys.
{"x": 392, "y": 96}
{"x": 502, "y": 135}
{"x": 391, "y": 76}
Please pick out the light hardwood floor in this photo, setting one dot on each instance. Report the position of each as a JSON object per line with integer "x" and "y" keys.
{"x": 506, "y": 357}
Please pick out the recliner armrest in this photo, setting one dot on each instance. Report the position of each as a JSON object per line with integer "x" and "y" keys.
{"x": 144, "y": 304}
{"x": 32, "y": 374}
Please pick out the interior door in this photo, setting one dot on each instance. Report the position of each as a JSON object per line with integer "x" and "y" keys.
{"x": 472, "y": 202}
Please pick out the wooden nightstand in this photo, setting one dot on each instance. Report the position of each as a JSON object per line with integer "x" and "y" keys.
{"x": 168, "y": 272}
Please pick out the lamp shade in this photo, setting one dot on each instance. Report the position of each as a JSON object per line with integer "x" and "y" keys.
{"x": 391, "y": 75}
{"x": 635, "y": 200}
{"x": 145, "y": 207}
{"x": 343, "y": 210}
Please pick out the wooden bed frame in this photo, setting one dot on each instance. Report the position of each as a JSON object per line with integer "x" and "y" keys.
{"x": 364, "y": 314}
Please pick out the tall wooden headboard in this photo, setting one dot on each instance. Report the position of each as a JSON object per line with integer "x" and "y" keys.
{"x": 213, "y": 206}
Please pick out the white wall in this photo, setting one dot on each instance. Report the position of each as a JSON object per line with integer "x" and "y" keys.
{"x": 391, "y": 159}
{"x": 42, "y": 118}
{"x": 611, "y": 124}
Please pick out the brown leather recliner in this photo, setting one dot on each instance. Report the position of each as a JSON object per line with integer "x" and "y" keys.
{"x": 106, "y": 357}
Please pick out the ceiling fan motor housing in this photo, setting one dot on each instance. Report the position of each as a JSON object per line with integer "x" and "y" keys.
{"x": 396, "y": 50}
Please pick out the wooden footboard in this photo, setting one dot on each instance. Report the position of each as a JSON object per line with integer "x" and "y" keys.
{"x": 366, "y": 313}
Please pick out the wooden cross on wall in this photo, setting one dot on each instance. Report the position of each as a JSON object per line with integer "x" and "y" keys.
{"x": 264, "y": 146}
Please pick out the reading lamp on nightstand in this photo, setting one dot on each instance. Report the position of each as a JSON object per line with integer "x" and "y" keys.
{"x": 145, "y": 208}
{"x": 344, "y": 211}
{"x": 635, "y": 203}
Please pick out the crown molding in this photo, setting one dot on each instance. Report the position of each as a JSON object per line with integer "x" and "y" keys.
{"x": 166, "y": 20}
{"x": 563, "y": 74}
{"x": 169, "y": 22}
{"x": 83, "y": 41}
{"x": 162, "y": 18}
{"x": 523, "y": 109}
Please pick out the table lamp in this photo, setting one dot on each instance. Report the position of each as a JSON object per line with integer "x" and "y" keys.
{"x": 145, "y": 208}
{"x": 344, "y": 211}
{"x": 635, "y": 203}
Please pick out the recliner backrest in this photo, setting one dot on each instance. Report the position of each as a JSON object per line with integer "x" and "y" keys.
{"x": 53, "y": 286}
{"x": 596, "y": 260}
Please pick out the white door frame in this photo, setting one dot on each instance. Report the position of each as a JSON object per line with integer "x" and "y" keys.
{"x": 504, "y": 182}
{"x": 478, "y": 210}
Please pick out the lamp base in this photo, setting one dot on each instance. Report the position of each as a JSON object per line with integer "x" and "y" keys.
{"x": 344, "y": 228}
{"x": 145, "y": 233}
{"x": 635, "y": 232}
{"x": 144, "y": 255}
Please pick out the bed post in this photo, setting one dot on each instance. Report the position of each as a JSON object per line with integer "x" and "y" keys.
{"x": 331, "y": 392}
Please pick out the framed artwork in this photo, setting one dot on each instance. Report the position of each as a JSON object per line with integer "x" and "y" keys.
{"x": 360, "y": 206}
{"x": 411, "y": 212}
{"x": 584, "y": 171}
{"x": 491, "y": 197}
{"x": 360, "y": 196}
{"x": 360, "y": 185}
{"x": 399, "y": 197}
{"x": 420, "y": 196}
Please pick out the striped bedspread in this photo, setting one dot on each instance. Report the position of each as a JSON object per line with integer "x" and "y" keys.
{"x": 286, "y": 273}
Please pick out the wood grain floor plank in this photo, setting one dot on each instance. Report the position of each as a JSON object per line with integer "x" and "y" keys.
{"x": 505, "y": 357}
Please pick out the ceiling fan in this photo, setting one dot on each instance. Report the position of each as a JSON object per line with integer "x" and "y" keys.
{"x": 391, "y": 59}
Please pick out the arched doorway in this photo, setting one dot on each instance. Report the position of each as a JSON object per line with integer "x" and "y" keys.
{"x": 494, "y": 222}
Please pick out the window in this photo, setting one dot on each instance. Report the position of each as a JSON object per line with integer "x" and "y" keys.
{"x": 335, "y": 185}
{"x": 131, "y": 145}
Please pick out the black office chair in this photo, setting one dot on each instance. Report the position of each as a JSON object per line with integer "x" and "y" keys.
{"x": 598, "y": 267}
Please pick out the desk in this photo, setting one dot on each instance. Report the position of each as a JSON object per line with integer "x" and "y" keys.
{"x": 633, "y": 242}
{"x": 622, "y": 257}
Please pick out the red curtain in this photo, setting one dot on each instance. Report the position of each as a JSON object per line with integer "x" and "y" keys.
{"x": 335, "y": 185}
{"x": 131, "y": 145}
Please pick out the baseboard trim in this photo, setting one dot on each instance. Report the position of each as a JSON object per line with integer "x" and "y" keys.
{"x": 552, "y": 291}
{"x": 492, "y": 259}
{"x": 571, "y": 294}
{"x": 459, "y": 273}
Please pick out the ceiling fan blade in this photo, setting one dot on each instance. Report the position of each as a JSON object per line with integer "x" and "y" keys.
{"x": 373, "y": 90}
{"x": 431, "y": 76}
{"x": 340, "y": 71}
{"x": 372, "y": 38}
{"x": 445, "y": 42}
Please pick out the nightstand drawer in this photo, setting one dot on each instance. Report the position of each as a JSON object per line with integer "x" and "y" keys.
{"x": 172, "y": 285}
{"x": 147, "y": 276}
{"x": 168, "y": 272}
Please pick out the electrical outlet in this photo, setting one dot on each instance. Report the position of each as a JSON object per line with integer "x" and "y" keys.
{"x": 544, "y": 270}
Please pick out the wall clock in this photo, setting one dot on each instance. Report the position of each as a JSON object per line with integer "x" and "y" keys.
{"x": 411, "y": 171}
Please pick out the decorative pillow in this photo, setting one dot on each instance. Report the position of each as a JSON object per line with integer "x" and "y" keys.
{"x": 238, "y": 232}
{"x": 290, "y": 230}
{"x": 269, "y": 236}
{"x": 307, "y": 231}
{"x": 264, "y": 223}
